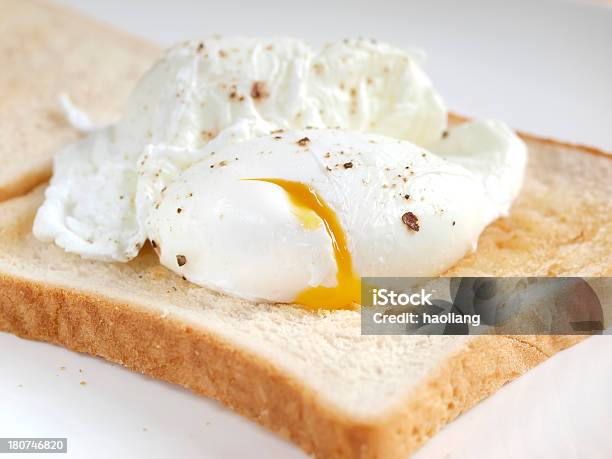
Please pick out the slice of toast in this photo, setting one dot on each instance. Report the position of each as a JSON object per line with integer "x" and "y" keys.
{"x": 46, "y": 51}
{"x": 311, "y": 376}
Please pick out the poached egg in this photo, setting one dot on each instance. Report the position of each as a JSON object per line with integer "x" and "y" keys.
{"x": 269, "y": 171}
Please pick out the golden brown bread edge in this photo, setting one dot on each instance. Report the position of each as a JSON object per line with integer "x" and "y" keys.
{"x": 202, "y": 362}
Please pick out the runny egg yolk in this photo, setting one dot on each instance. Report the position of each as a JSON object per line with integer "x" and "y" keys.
{"x": 311, "y": 209}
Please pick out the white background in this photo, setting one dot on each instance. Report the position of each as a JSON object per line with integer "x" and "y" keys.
{"x": 545, "y": 67}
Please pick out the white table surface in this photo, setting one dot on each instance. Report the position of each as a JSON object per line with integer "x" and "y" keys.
{"x": 545, "y": 67}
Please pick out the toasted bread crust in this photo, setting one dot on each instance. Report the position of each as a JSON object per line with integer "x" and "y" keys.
{"x": 178, "y": 353}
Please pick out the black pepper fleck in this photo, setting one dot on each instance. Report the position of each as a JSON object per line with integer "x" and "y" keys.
{"x": 181, "y": 260}
{"x": 348, "y": 165}
{"x": 411, "y": 221}
{"x": 259, "y": 91}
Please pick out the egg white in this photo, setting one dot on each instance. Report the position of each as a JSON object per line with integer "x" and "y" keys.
{"x": 241, "y": 236}
{"x": 201, "y": 93}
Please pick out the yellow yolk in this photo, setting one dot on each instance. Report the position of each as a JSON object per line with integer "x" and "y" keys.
{"x": 311, "y": 209}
